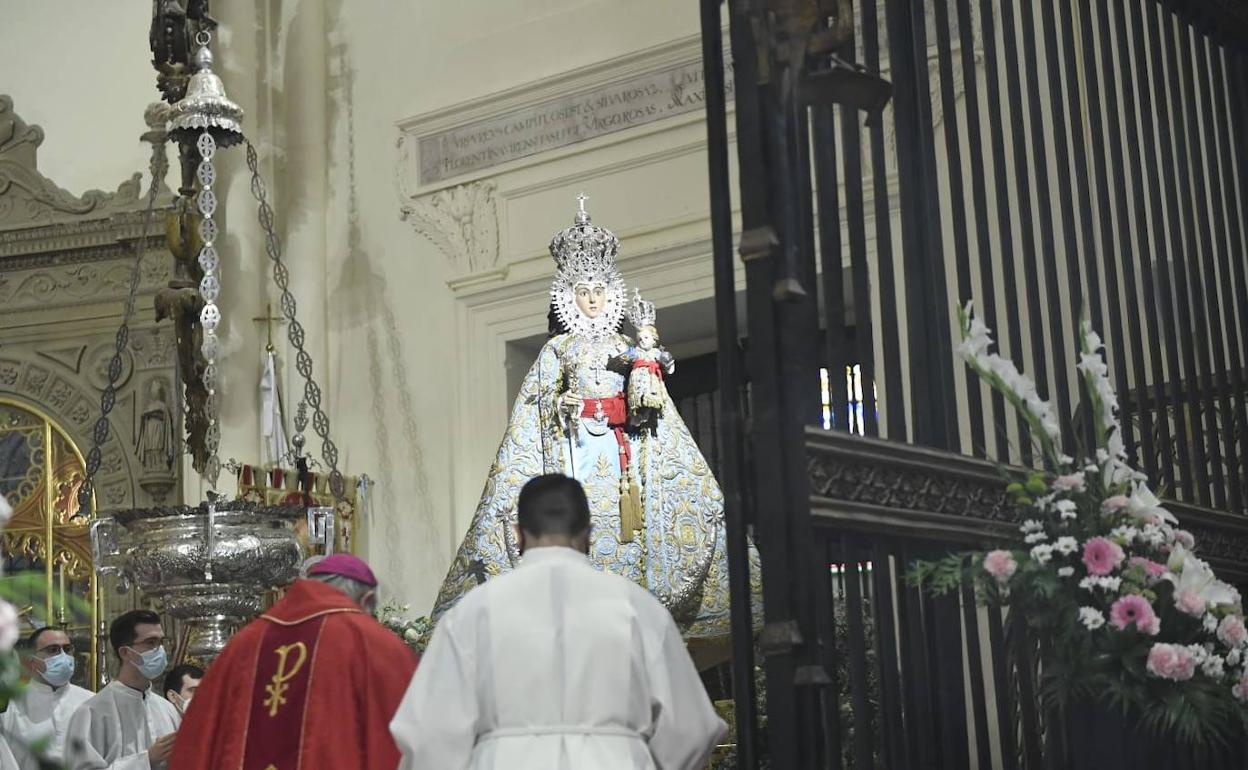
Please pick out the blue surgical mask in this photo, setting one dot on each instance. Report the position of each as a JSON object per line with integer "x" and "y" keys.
{"x": 58, "y": 669}
{"x": 154, "y": 662}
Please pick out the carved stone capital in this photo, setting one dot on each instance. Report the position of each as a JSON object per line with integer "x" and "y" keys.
{"x": 462, "y": 222}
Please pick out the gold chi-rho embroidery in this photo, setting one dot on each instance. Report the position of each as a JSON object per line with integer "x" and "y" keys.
{"x": 278, "y": 686}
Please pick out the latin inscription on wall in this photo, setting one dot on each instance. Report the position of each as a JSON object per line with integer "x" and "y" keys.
{"x": 563, "y": 121}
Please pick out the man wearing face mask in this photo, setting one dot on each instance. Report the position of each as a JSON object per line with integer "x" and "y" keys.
{"x": 43, "y": 709}
{"x": 181, "y": 683}
{"x": 313, "y": 681}
{"x": 127, "y": 726}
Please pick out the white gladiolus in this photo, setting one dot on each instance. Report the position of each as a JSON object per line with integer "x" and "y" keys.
{"x": 9, "y": 630}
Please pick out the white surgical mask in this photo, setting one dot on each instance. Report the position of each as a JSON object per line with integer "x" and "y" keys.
{"x": 153, "y": 662}
{"x": 58, "y": 669}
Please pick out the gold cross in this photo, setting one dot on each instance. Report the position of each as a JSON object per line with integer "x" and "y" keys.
{"x": 268, "y": 318}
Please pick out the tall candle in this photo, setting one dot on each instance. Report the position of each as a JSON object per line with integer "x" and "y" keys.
{"x": 61, "y": 580}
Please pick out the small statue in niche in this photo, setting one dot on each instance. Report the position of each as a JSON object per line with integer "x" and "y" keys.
{"x": 155, "y": 446}
{"x": 649, "y": 364}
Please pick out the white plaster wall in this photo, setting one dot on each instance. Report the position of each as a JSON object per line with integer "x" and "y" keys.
{"x": 80, "y": 69}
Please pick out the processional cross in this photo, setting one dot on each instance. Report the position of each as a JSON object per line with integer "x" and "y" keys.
{"x": 267, "y": 319}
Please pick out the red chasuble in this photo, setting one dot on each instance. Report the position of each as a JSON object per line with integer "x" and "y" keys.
{"x": 312, "y": 684}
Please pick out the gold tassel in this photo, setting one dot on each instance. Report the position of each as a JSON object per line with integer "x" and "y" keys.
{"x": 632, "y": 517}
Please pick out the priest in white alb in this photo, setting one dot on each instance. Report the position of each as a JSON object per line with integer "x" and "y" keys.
{"x": 127, "y": 725}
{"x": 556, "y": 664}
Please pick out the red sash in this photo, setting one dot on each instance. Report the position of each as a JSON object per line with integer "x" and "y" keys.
{"x": 279, "y": 696}
{"x": 654, "y": 366}
{"x": 615, "y": 410}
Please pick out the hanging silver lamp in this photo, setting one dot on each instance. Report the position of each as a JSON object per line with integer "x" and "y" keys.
{"x": 206, "y": 108}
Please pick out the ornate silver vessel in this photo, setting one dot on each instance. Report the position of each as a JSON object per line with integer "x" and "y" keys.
{"x": 212, "y": 584}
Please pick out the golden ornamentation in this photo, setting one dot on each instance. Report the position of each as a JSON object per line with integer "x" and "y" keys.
{"x": 278, "y": 686}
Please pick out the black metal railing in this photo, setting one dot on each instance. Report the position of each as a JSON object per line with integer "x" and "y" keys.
{"x": 923, "y": 681}
{"x": 1050, "y": 160}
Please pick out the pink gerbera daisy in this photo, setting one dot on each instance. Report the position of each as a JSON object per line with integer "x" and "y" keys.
{"x": 1135, "y": 611}
{"x": 1102, "y": 556}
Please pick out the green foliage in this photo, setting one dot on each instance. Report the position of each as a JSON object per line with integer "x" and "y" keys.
{"x": 31, "y": 589}
{"x": 415, "y": 633}
{"x": 1063, "y": 605}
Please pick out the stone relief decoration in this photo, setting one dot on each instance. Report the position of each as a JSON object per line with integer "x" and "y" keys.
{"x": 65, "y": 265}
{"x": 461, "y": 221}
{"x": 27, "y": 197}
{"x": 63, "y": 395}
{"x": 77, "y": 283}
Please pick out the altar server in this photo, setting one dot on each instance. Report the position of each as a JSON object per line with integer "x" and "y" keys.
{"x": 42, "y": 711}
{"x": 312, "y": 683}
{"x": 556, "y": 664}
{"x": 126, "y": 725}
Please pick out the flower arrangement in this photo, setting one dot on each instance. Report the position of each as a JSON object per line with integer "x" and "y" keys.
{"x": 414, "y": 633}
{"x": 11, "y": 685}
{"x": 1102, "y": 574}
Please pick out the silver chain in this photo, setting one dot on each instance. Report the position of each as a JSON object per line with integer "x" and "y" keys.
{"x": 108, "y": 398}
{"x": 210, "y": 314}
{"x": 295, "y": 333}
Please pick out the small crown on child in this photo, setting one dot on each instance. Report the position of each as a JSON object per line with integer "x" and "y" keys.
{"x": 640, "y": 312}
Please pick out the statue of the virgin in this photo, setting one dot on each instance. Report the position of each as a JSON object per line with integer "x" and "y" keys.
{"x": 657, "y": 511}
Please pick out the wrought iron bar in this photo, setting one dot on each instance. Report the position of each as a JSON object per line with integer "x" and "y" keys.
{"x": 1235, "y": 282}
{"x": 1174, "y": 281}
{"x": 975, "y": 663}
{"x": 1131, "y": 341}
{"x": 1039, "y": 366}
{"x": 916, "y": 674}
{"x": 927, "y": 311}
{"x": 1133, "y": 75}
{"x": 1003, "y": 690}
{"x": 832, "y": 653}
{"x": 731, "y": 459}
{"x": 1057, "y": 343}
{"x": 892, "y": 728}
{"x": 894, "y": 401}
{"x": 836, "y": 332}
{"x": 987, "y": 291}
{"x": 1185, "y": 267}
{"x": 1155, "y": 281}
{"x": 784, "y": 736}
{"x": 1005, "y": 225}
{"x": 957, "y": 201}
{"x": 864, "y": 751}
{"x": 1060, "y": 33}
{"x": 1213, "y": 357}
{"x": 856, "y": 227}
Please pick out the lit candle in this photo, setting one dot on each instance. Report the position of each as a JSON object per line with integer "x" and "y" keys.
{"x": 61, "y": 580}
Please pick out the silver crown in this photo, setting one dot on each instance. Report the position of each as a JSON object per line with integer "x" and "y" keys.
{"x": 585, "y": 251}
{"x": 640, "y": 312}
